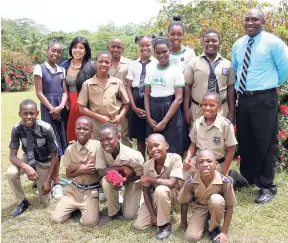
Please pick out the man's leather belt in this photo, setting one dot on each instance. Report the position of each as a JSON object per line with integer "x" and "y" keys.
{"x": 86, "y": 187}
{"x": 255, "y": 92}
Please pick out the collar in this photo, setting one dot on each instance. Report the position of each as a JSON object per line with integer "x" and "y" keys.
{"x": 58, "y": 69}
{"x": 95, "y": 80}
{"x": 79, "y": 146}
{"x": 123, "y": 60}
{"x": 256, "y": 37}
{"x": 150, "y": 58}
{"x": 183, "y": 49}
{"x": 217, "y": 122}
{"x": 218, "y": 56}
{"x": 166, "y": 164}
{"x": 215, "y": 181}
{"x": 32, "y": 128}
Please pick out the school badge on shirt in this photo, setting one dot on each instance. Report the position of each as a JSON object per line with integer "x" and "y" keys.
{"x": 158, "y": 81}
{"x": 216, "y": 140}
{"x": 225, "y": 71}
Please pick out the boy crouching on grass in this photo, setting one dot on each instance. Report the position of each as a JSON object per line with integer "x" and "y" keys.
{"x": 162, "y": 179}
{"x": 213, "y": 197}
{"x": 79, "y": 160}
{"x": 39, "y": 158}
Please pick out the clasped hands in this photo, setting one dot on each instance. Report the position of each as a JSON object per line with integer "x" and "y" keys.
{"x": 157, "y": 127}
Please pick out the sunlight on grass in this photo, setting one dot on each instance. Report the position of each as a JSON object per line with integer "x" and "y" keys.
{"x": 251, "y": 223}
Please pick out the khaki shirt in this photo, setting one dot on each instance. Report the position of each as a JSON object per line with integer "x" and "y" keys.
{"x": 197, "y": 73}
{"x": 104, "y": 100}
{"x": 216, "y": 137}
{"x": 198, "y": 191}
{"x": 121, "y": 71}
{"x": 126, "y": 156}
{"x": 172, "y": 167}
{"x": 78, "y": 154}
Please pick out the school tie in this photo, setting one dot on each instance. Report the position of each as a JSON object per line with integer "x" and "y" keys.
{"x": 242, "y": 85}
{"x": 142, "y": 78}
{"x": 30, "y": 152}
{"x": 212, "y": 80}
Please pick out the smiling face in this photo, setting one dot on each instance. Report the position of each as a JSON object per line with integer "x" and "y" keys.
{"x": 103, "y": 63}
{"x": 145, "y": 46}
{"x": 206, "y": 163}
{"x": 54, "y": 53}
{"x": 28, "y": 114}
{"x": 116, "y": 48}
{"x": 83, "y": 130}
{"x": 253, "y": 22}
{"x": 176, "y": 35}
{"x": 210, "y": 106}
{"x": 211, "y": 44}
{"x": 162, "y": 53}
{"x": 157, "y": 146}
{"x": 109, "y": 140}
{"x": 78, "y": 51}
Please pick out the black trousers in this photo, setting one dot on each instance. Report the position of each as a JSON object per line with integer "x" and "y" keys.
{"x": 257, "y": 128}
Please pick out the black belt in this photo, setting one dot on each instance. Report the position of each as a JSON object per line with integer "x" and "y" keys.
{"x": 222, "y": 101}
{"x": 255, "y": 92}
{"x": 163, "y": 99}
{"x": 220, "y": 161}
{"x": 86, "y": 187}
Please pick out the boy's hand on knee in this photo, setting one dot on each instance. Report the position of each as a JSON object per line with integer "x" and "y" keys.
{"x": 46, "y": 187}
{"x": 31, "y": 173}
{"x": 144, "y": 179}
{"x": 187, "y": 164}
{"x": 222, "y": 238}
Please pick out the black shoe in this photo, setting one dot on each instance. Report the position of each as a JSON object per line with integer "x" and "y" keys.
{"x": 216, "y": 231}
{"x": 163, "y": 232}
{"x": 263, "y": 198}
{"x": 238, "y": 179}
{"x": 20, "y": 208}
{"x": 76, "y": 214}
{"x": 118, "y": 215}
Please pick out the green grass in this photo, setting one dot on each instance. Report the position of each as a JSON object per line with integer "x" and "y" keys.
{"x": 251, "y": 223}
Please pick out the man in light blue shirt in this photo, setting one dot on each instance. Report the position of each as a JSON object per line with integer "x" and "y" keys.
{"x": 260, "y": 61}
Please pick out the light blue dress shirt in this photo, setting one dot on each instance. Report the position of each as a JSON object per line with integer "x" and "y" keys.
{"x": 268, "y": 66}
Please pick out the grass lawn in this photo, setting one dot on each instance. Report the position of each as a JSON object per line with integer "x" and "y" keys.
{"x": 251, "y": 223}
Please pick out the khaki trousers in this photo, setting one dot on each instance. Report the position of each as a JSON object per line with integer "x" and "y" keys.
{"x": 87, "y": 201}
{"x": 196, "y": 224}
{"x": 163, "y": 200}
{"x": 13, "y": 176}
{"x": 131, "y": 201}
{"x": 124, "y": 132}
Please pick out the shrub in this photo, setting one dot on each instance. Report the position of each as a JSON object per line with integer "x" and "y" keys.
{"x": 16, "y": 72}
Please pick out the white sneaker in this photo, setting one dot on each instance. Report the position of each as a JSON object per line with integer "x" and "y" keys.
{"x": 121, "y": 199}
{"x": 57, "y": 191}
{"x": 102, "y": 196}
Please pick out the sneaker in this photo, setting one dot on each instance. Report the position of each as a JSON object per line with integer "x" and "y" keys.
{"x": 118, "y": 215}
{"x": 20, "y": 208}
{"x": 214, "y": 233}
{"x": 163, "y": 232}
{"x": 57, "y": 191}
{"x": 121, "y": 199}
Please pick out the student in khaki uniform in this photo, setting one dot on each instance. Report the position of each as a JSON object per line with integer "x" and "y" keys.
{"x": 119, "y": 69}
{"x": 209, "y": 72}
{"x": 213, "y": 195}
{"x": 79, "y": 160}
{"x": 113, "y": 155}
{"x": 103, "y": 98}
{"x": 162, "y": 179}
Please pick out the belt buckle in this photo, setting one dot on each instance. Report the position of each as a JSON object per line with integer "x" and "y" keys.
{"x": 249, "y": 93}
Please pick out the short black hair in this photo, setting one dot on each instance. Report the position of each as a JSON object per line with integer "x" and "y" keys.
{"x": 139, "y": 38}
{"x": 27, "y": 102}
{"x": 85, "y": 118}
{"x": 176, "y": 21}
{"x": 205, "y": 150}
{"x": 214, "y": 94}
{"x": 51, "y": 43}
{"x": 85, "y": 42}
{"x": 103, "y": 53}
{"x": 212, "y": 31}
{"x": 110, "y": 126}
{"x": 162, "y": 41}
{"x": 113, "y": 39}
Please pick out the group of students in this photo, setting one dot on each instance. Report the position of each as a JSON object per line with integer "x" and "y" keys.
{"x": 140, "y": 100}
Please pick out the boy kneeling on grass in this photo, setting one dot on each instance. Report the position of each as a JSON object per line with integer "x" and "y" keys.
{"x": 162, "y": 179}
{"x": 79, "y": 160}
{"x": 40, "y": 155}
{"x": 213, "y": 197}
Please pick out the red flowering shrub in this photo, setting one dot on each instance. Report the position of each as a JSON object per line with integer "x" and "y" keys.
{"x": 16, "y": 72}
{"x": 114, "y": 178}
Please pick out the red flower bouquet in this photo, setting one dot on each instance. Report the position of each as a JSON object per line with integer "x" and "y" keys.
{"x": 114, "y": 178}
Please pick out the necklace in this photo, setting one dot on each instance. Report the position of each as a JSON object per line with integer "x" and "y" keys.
{"x": 76, "y": 68}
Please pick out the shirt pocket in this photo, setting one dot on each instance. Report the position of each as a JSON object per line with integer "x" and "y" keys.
{"x": 41, "y": 142}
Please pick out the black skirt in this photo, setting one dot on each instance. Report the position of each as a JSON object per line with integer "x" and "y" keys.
{"x": 176, "y": 130}
{"x": 136, "y": 125}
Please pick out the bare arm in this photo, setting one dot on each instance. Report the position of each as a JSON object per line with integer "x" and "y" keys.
{"x": 171, "y": 182}
{"x": 228, "y": 160}
{"x": 147, "y": 101}
{"x": 231, "y": 102}
{"x": 149, "y": 204}
{"x": 186, "y": 104}
{"x": 39, "y": 92}
{"x": 130, "y": 95}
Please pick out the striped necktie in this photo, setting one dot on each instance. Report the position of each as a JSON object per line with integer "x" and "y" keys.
{"x": 242, "y": 85}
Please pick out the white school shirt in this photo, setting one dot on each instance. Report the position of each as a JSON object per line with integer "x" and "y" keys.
{"x": 180, "y": 59}
{"x": 163, "y": 81}
{"x": 38, "y": 70}
{"x": 135, "y": 69}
